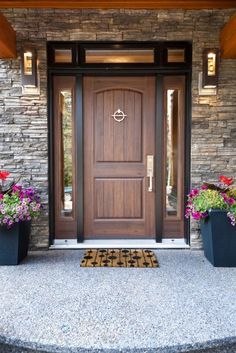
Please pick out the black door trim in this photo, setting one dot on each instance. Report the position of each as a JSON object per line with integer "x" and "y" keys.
{"x": 79, "y": 73}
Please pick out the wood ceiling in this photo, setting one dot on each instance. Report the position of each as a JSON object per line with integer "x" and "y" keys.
{"x": 228, "y": 34}
{"x": 228, "y": 39}
{"x": 7, "y": 39}
{"x": 120, "y": 4}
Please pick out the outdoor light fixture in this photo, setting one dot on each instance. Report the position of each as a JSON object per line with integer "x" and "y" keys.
{"x": 29, "y": 68}
{"x": 210, "y": 68}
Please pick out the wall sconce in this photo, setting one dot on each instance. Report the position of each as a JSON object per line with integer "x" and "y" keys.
{"x": 210, "y": 68}
{"x": 29, "y": 68}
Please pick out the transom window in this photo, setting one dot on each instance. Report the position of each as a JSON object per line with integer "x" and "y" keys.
{"x": 119, "y": 54}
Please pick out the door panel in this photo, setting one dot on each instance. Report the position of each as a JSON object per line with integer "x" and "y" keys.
{"x": 117, "y": 202}
{"x": 116, "y": 142}
{"x": 118, "y": 198}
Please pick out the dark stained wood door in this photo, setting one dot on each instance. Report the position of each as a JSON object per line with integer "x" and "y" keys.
{"x": 117, "y": 203}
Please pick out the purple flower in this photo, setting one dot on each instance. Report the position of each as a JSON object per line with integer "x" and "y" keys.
{"x": 232, "y": 218}
{"x": 37, "y": 198}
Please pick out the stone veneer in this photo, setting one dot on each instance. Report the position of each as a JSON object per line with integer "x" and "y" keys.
{"x": 23, "y": 124}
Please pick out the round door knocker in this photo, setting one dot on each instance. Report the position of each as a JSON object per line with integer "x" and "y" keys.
{"x": 119, "y": 116}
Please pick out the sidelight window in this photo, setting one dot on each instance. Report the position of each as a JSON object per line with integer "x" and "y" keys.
{"x": 64, "y": 154}
{"x": 174, "y": 153}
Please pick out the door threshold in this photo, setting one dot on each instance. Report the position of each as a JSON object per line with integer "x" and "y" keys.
{"x": 119, "y": 243}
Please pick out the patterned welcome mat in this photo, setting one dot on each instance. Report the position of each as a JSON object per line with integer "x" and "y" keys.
{"x": 119, "y": 258}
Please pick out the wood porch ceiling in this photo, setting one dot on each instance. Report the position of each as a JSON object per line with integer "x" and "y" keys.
{"x": 228, "y": 34}
{"x": 120, "y": 4}
{"x": 7, "y": 39}
{"x": 228, "y": 39}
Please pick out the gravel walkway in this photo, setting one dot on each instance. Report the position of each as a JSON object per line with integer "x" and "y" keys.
{"x": 50, "y": 303}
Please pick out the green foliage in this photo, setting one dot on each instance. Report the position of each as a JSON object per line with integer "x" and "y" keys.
{"x": 221, "y": 196}
{"x": 208, "y": 199}
{"x": 231, "y": 193}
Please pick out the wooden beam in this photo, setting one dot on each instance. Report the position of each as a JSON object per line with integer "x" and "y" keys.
{"x": 7, "y": 39}
{"x": 228, "y": 39}
{"x": 120, "y": 4}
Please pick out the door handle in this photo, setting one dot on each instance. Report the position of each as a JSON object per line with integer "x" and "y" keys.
{"x": 150, "y": 183}
{"x": 150, "y": 170}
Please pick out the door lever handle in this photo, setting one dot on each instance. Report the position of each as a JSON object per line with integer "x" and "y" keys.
{"x": 149, "y": 183}
{"x": 150, "y": 169}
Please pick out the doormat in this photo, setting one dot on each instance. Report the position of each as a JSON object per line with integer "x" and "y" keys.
{"x": 119, "y": 258}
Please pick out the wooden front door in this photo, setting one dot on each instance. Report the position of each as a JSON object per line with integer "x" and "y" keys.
{"x": 119, "y": 135}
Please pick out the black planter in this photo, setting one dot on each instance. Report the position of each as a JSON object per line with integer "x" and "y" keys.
{"x": 14, "y": 243}
{"x": 219, "y": 239}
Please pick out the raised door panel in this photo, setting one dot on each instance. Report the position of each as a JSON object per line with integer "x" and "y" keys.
{"x": 118, "y": 141}
{"x": 118, "y": 198}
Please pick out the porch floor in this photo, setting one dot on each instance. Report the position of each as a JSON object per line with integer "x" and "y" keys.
{"x": 50, "y": 303}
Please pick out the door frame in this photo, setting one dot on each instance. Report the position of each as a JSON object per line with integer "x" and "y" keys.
{"x": 159, "y": 73}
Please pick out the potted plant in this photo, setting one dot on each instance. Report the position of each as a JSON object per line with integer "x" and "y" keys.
{"x": 214, "y": 205}
{"x": 18, "y": 206}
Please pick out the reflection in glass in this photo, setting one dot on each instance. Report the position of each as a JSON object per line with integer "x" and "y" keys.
{"x": 66, "y": 152}
{"x": 63, "y": 56}
{"x": 172, "y": 153}
{"x": 176, "y": 56}
{"x": 122, "y": 56}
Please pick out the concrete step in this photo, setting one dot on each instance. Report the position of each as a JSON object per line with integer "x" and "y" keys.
{"x": 227, "y": 347}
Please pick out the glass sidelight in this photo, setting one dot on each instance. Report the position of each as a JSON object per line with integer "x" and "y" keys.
{"x": 174, "y": 103}
{"x": 64, "y": 156}
{"x": 172, "y": 152}
{"x": 66, "y": 152}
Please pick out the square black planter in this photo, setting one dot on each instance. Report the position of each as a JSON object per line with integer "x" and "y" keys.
{"x": 219, "y": 239}
{"x": 14, "y": 243}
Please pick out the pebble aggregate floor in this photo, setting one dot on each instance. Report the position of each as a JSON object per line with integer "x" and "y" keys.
{"x": 50, "y": 302}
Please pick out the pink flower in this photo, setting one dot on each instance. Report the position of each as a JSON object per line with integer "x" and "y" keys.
{"x": 193, "y": 193}
{"x": 1, "y": 196}
{"x": 196, "y": 215}
{"x": 204, "y": 187}
{"x": 230, "y": 201}
{"x": 17, "y": 188}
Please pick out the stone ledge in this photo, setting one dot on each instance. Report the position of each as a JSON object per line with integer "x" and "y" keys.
{"x": 227, "y": 345}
